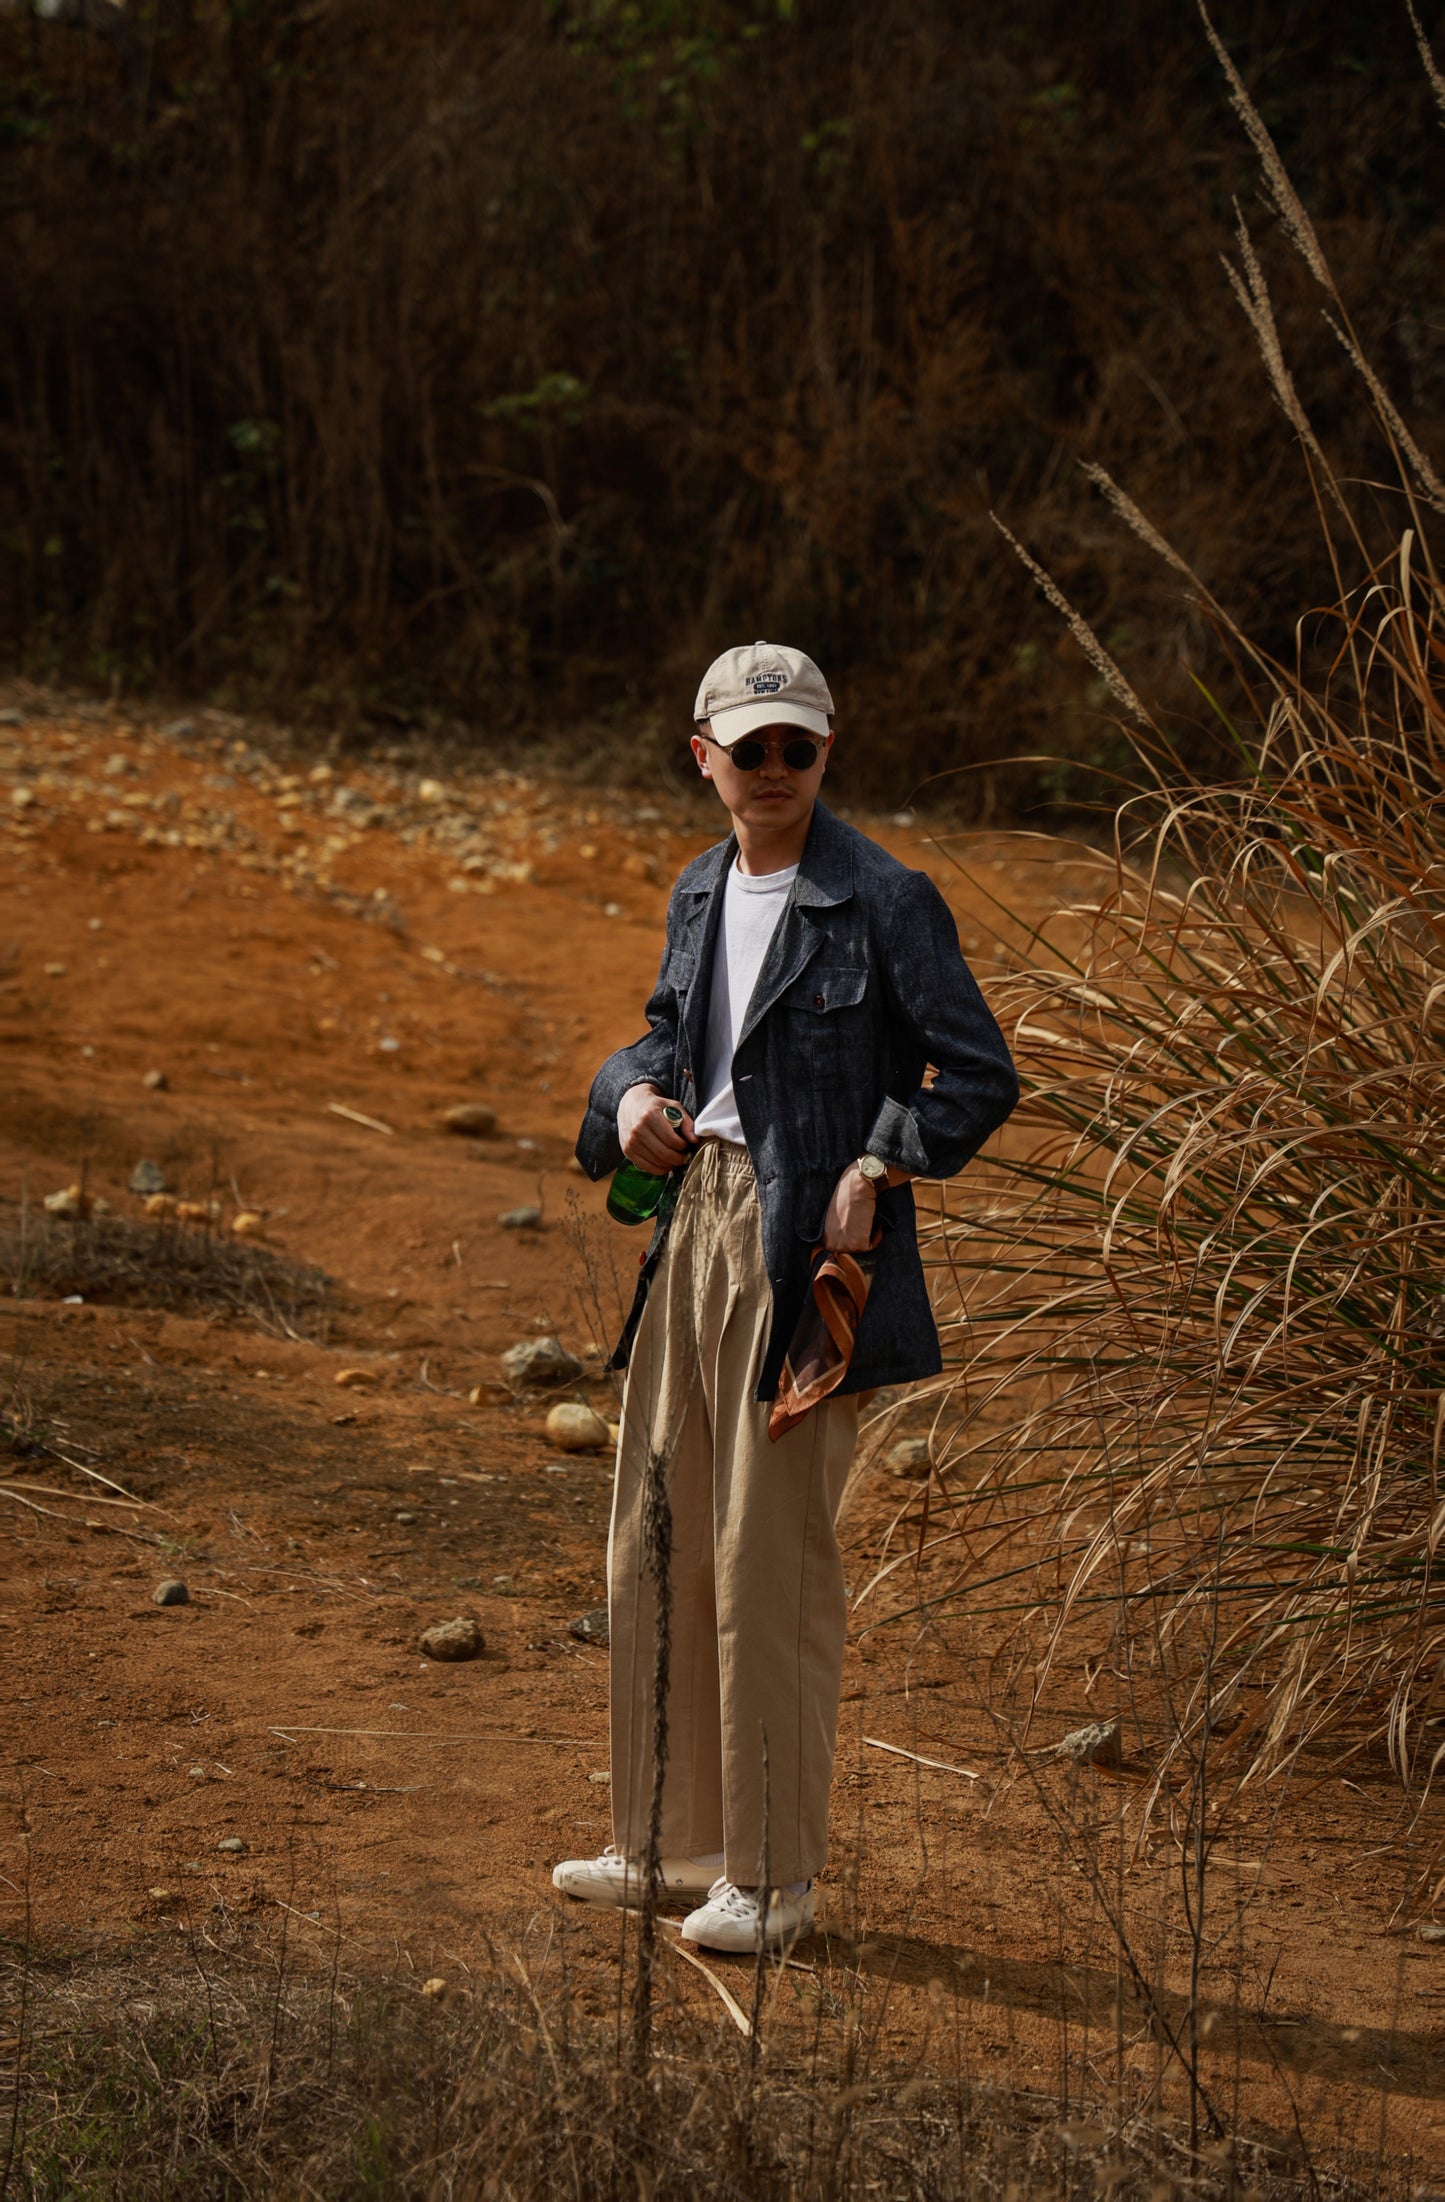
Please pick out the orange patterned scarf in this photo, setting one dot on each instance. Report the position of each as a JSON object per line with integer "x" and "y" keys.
{"x": 822, "y": 1344}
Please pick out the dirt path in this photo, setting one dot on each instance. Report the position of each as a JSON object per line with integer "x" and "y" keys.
{"x": 278, "y": 942}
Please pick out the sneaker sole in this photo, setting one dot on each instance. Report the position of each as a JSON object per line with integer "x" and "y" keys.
{"x": 772, "y": 1942}
{"x": 618, "y": 1898}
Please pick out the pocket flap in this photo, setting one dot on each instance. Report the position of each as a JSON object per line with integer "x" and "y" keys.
{"x": 824, "y": 987}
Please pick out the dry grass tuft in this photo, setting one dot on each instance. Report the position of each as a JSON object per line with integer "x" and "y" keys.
{"x": 206, "y": 2062}
{"x": 1201, "y": 1327}
{"x": 172, "y": 1266}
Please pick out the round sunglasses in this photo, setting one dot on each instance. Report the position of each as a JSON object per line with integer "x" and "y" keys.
{"x": 799, "y": 753}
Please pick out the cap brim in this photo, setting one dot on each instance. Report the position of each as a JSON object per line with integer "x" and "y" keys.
{"x": 749, "y": 718}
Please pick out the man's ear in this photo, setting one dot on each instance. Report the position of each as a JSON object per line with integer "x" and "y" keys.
{"x": 700, "y": 751}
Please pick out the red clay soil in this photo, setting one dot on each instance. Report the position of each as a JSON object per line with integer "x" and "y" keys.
{"x": 279, "y": 944}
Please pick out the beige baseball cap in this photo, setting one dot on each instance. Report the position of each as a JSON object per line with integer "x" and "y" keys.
{"x": 762, "y": 684}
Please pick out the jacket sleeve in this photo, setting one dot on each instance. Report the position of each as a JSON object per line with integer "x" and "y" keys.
{"x": 935, "y": 1130}
{"x": 649, "y": 1061}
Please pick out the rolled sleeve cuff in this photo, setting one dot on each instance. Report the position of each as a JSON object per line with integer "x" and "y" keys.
{"x": 895, "y": 1138}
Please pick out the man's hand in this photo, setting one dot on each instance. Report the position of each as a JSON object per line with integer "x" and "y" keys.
{"x": 646, "y": 1135}
{"x": 848, "y": 1224}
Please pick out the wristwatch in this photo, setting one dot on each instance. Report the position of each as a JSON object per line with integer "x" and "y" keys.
{"x": 874, "y": 1170}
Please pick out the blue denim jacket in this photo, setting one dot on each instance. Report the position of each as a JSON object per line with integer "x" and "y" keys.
{"x": 862, "y": 987}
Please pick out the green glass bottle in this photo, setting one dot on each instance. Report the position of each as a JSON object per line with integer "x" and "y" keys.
{"x": 637, "y": 1196}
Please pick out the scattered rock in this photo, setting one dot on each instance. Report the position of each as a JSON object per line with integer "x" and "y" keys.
{"x": 591, "y": 1628}
{"x": 70, "y": 1203}
{"x": 159, "y": 1206}
{"x": 248, "y": 1223}
{"x": 172, "y": 1592}
{"x": 55, "y": 971}
{"x": 576, "y": 1428}
{"x": 1431, "y": 1931}
{"x": 520, "y": 1219}
{"x": 471, "y": 1119}
{"x": 539, "y": 1361}
{"x": 198, "y": 1211}
{"x": 1096, "y": 1745}
{"x": 159, "y": 1896}
{"x": 459, "y": 1639}
{"x": 405, "y": 1519}
{"x": 233, "y": 1845}
{"x": 156, "y": 1081}
{"x": 600, "y": 1779}
{"x": 909, "y": 1457}
{"x": 435, "y": 1986}
{"x": 146, "y": 1178}
{"x": 357, "y": 1379}
{"x": 22, "y": 798}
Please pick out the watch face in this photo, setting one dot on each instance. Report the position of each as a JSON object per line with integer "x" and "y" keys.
{"x": 872, "y": 1167}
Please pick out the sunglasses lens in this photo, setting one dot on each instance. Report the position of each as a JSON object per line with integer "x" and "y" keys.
{"x": 799, "y": 755}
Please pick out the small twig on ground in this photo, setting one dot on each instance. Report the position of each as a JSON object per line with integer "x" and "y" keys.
{"x": 354, "y": 1116}
{"x": 81, "y": 1470}
{"x": 734, "y": 2009}
{"x": 875, "y": 1743}
{"x": 580, "y": 1743}
{"x": 104, "y": 1529}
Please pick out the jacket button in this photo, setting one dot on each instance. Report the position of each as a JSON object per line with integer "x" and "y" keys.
{"x": 818, "y": 1002}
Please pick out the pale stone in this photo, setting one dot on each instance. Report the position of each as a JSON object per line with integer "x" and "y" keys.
{"x": 576, "y": 1428}
{"x": 539, "y": 1361}
{"x": 1096, "y": 1745}
{"x": 471, "y": 1119}
{"x": 452, "y": 1640}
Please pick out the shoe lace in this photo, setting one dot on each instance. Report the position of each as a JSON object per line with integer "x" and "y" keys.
{"x": 728, "y": 1897}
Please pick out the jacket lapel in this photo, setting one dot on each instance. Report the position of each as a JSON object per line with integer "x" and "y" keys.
{"x": 698, "y": 931}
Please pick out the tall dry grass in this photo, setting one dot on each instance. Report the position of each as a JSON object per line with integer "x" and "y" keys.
{"x": 1194, "y": 1419}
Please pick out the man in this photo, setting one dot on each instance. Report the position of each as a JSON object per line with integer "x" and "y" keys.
{"x": 807, "y": 983}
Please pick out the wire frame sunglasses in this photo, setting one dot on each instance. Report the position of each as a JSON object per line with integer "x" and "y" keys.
{"x": 800, "y": 752}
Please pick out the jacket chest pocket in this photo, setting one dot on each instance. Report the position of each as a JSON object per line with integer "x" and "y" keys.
{"x": 828, "y": 1027}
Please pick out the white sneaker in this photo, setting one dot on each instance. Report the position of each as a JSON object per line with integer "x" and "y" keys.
{"x": 731, "y": 1918}
{"x": 613, "y": 1879}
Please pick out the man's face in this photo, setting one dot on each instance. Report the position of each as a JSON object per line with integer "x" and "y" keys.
{"x": 776, "y": 795}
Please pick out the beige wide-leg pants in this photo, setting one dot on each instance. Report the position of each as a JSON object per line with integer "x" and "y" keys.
{"x": 758, "y": 1611}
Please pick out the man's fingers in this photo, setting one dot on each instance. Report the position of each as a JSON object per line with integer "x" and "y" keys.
{"x": 654, "y": 1145}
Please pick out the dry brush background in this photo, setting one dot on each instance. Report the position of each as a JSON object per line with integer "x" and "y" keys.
{"x": 424, "y": 367}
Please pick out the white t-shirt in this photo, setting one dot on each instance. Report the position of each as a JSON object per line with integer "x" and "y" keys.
{"x": 750, "y": 913}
